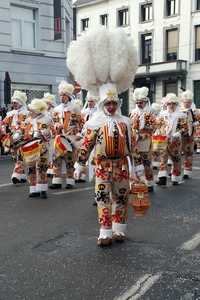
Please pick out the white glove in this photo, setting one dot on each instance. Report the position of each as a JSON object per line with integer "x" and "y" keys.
{"x": 177, "y": 135}
{"x": 45, "y": 132}
{"x": 16, "y": 136}
{"x": 77, "y": 174}
{"x": 195, "y": 124}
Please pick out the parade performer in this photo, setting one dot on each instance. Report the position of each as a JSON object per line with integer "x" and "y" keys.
{"x": 68, "y": 123}
{"x": 197, "y": 137}
{"x": 13, "y": 131}
{"x": 107, "y": 132}
{"x": 88, "y": 111}
{"x": 51, "y": 104}
{"x": 144, "y": 119}
{"x": 39, "y": 131}
{"x": 193, "y": 116}
{"x": 90, "y": 106}
{"x": 156, "y": 154}
{"x": 171, "y": 125}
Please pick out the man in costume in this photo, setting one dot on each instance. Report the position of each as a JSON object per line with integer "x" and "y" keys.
{"x": 39, "y": 131}
{"x": 172, "y": 124}
{"x": 12, "y": 130}
{"x": 107, "y": 72}
{"x": 144, "y": 118}
{"x": 68, "y": 123}
{"x": 193, "y": 116}
{"x": 49, "y": 99}
{"x": 114, "y": 144}
{"x": 89, "y": 107}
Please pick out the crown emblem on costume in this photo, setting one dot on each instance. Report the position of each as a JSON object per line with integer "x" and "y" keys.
{"x": 111, "y": 94}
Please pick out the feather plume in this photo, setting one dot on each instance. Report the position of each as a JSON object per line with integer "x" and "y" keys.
{"x": 101, "y": 56}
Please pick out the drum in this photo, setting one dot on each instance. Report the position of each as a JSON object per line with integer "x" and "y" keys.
{"x": 72, "y": 140}
{"x": 159, "y": 142}
{"x": 61, "y": 146}
{"x": 6, "y": 142}
{"x": 31, "y": 151}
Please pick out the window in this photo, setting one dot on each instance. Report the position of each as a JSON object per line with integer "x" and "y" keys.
{"x": 104, "y": 20}
{"x": 198, "y": 5}
{"x": 85, "y": 24}
{"x": 146, "y": 42}
{"x": 170, "y": 87}
{"x": 172, "y": 44}
{"x": 197, "y": 43}
{"x": 23, "y": 25}
{"x": 123, "y": 17}
{"x": 171, "y": 7}
{"x": 146, "y": 12}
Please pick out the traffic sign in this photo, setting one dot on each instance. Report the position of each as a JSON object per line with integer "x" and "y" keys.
{"x": 77, "y": 86}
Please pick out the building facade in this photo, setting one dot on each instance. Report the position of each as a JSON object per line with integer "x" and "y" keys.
{"x": 34, "y": 38}
{"x": 166, "y": 34}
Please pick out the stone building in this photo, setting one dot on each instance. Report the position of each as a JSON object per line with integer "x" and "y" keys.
{"x": 34, "y": 38}
{"x": 166, "y": 34}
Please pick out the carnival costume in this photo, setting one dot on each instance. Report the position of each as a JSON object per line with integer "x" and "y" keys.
{"x": 51, "y": 104}
{"x": 13, "y": 132}
{"x": 144, "y": 124}
{"x": 69, "y": 116}
{"x": 110, "y": 135}
{"x": 172, "y": 125}
{"x": 39, "y": 131}
{"x": 193, "y": 117}
{"x": 156, "y": 154}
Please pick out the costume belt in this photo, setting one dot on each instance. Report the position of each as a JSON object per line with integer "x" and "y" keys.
{"x": 111, "y": 164}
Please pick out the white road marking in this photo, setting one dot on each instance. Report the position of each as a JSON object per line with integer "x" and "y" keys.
{"x": 74, "y": 190}
{"x": 6, "y": 184}
{"x": 140, "y": 288}
{"x": 192, "y": 243}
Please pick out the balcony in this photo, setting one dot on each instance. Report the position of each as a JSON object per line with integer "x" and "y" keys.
{"x": 168, "y": 68}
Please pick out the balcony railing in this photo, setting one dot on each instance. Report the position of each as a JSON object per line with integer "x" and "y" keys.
{"x": 163, "y": 68}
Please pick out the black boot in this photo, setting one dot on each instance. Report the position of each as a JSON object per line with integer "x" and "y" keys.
{"x": 55, "y": 186}
{"x": 44, "y": 195}
{"x": 162, "y": 180}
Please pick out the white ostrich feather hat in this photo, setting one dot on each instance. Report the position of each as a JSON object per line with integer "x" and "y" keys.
{"x": 66, "y": 88}
{"x": 38, "y": 106}
{"x": 49, "y": 99}
{"x": 108, "y": 60}
{"x": 141, "y": 94}
{"x": 90, "y": 97}
{"x": 156, "y": 106}
{"x": 171, "y": 98}
{"x": 187, "y": 95}
{"x": 79, "y": 103}
{"x": 19, "y": 97}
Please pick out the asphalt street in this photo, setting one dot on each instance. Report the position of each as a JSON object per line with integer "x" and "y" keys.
{"x": 48, "y": 247}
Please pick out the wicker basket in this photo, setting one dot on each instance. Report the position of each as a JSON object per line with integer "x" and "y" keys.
{"x": 139, "y": 198}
